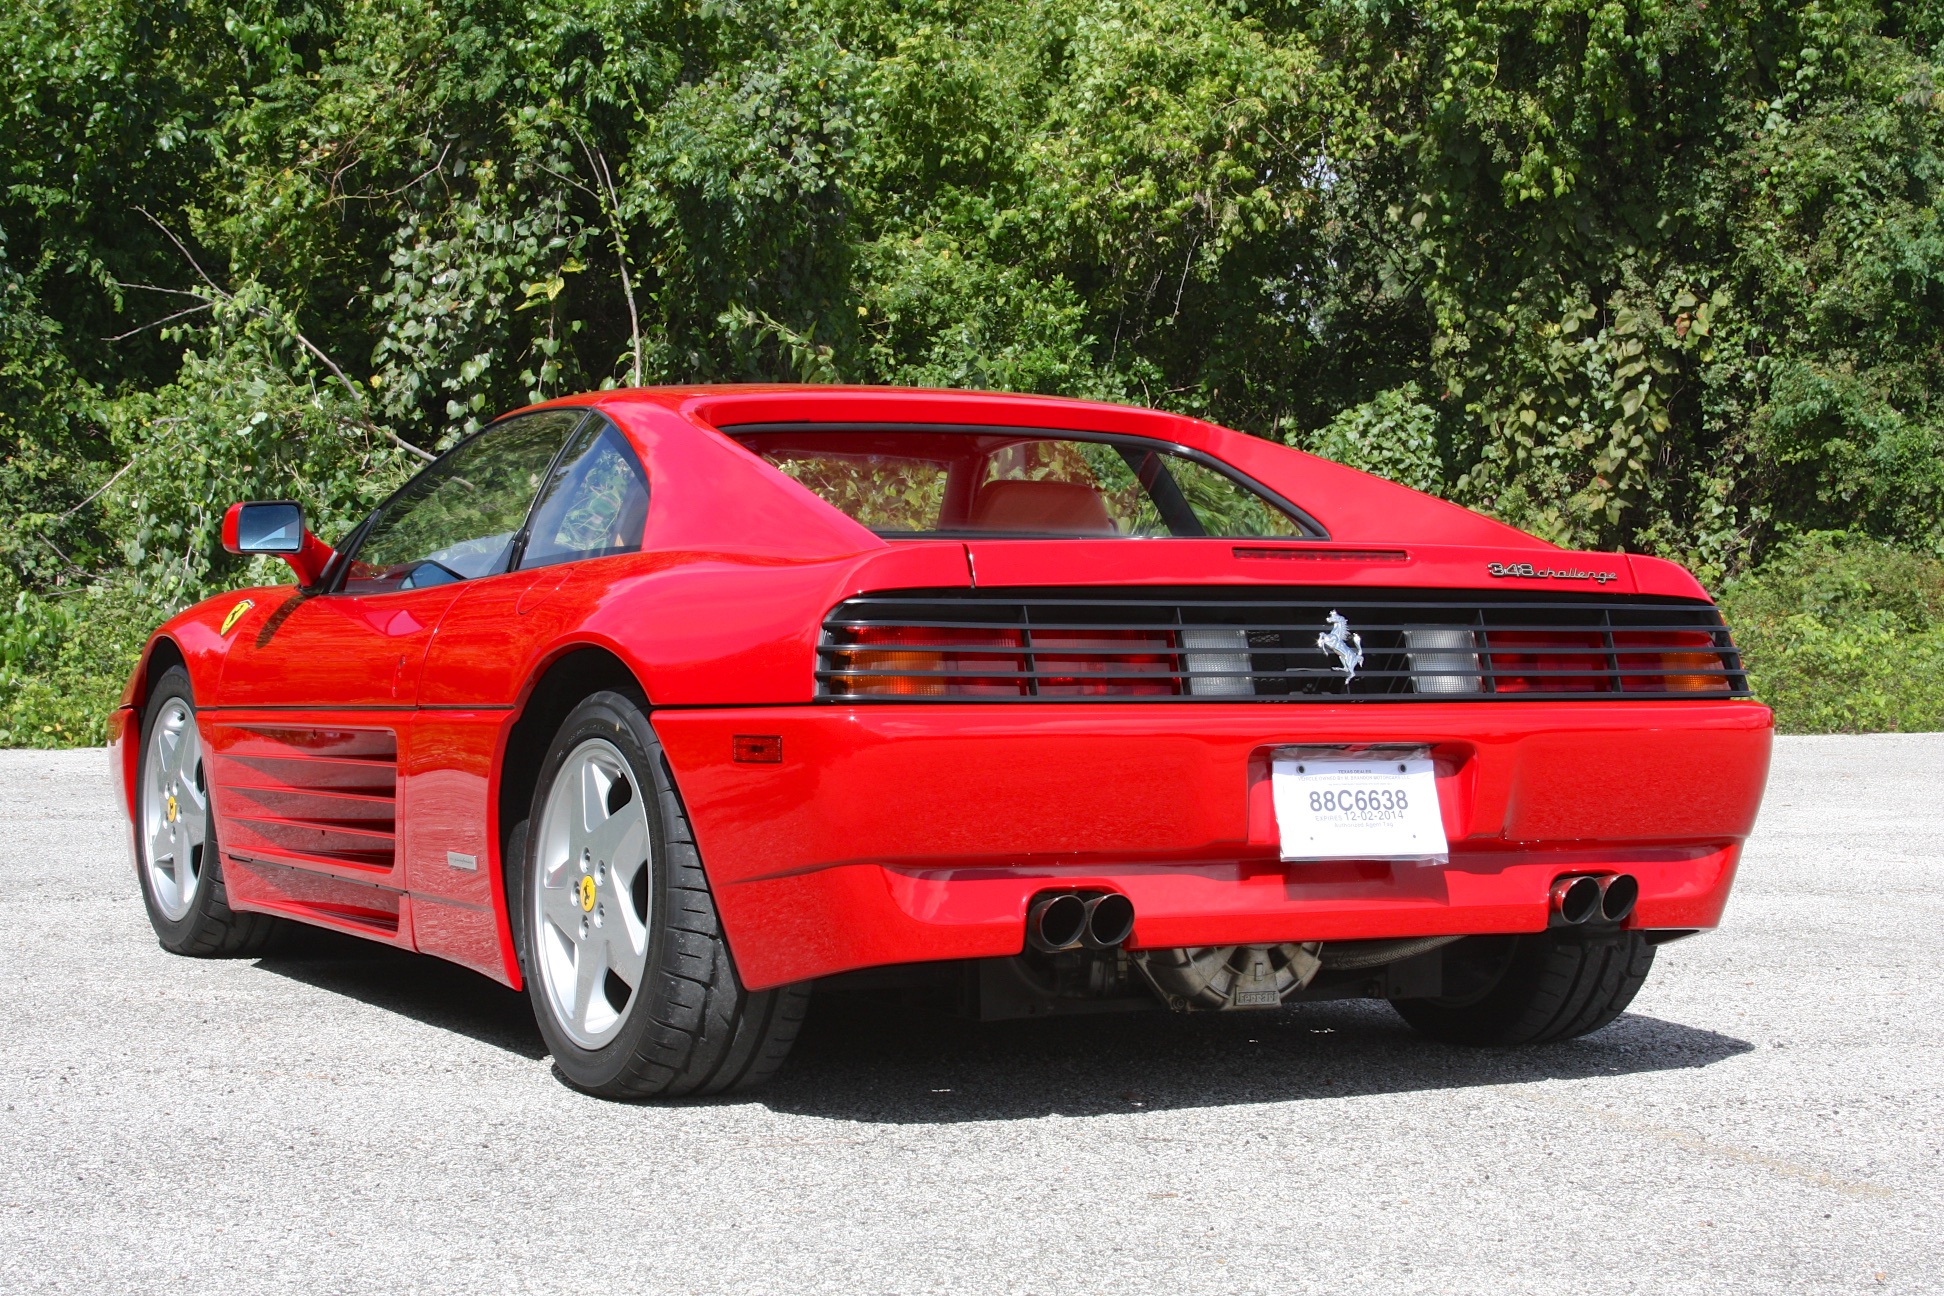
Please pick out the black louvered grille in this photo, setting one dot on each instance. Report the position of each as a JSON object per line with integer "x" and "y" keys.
{"x": 1282, "y": 644}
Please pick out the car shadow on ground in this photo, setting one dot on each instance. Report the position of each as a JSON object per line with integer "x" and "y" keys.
{"x": 425, "y": 989}
{"x": 883, "y": 1059}
{"x": 866, "y": 1059}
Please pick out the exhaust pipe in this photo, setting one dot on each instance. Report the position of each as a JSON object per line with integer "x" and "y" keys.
{"x": 1110, "y": 921}
{"x": 1064, "y": 920}
{"x": 1575, "y": 900}
{"x": 1056, "y": 922}
{"x": 1618, "y": 894}
{"x": 1606, "y": 898}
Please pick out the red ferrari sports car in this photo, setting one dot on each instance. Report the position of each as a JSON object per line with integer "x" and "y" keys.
{"x": 668, "y": 704}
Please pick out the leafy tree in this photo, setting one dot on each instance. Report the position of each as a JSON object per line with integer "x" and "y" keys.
{"x": 1653, "y": 275}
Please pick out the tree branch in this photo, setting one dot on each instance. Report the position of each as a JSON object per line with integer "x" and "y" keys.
{"x": 156, "y": 323}
{"x": 610, "y": 199}
{"x": 97, "y": 492}
{"x": 308, "y": 345}
{"x": 186, "y": 256}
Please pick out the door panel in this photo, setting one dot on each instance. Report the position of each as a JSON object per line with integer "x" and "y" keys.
{"x": 471, "y": 681}
{"x": 485, "y": 640}
{"x": 336, "y": 650}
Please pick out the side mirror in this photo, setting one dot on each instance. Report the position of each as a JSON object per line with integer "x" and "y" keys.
{"x": 276, "y": 527}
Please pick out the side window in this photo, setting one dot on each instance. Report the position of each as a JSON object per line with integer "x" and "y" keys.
{"x": 1222, "y": 508}
{"x": 459, "y": 518}
{"x": 595, "y": 501}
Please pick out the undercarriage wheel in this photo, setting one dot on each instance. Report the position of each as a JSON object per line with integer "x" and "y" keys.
{"x": 622, "y": 951}
{"x": 1532, "y": 989}
{"x": 175, "y": 836}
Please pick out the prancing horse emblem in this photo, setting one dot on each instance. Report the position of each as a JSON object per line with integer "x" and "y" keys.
{"x": 1348, "y": 647}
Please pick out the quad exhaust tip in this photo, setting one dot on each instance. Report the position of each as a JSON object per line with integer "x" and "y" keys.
{"x": 1608, "y": 898}
{"x": 1618, "y": 895}
{"x": 1110, "y": 921}
{"x": 1067, "y": 920}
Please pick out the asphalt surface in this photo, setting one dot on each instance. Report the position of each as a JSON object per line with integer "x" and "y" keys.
{"x": 346, "y": 1119}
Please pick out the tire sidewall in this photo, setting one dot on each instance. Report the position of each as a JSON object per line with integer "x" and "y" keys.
{"x": 177, "y": 934}
{"x": 1536, "y": 997}
{"x": 619, "y": 720}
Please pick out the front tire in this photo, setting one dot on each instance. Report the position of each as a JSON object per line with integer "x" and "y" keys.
{"x": 624, "y": 958}
{"x": 175, "y": 836}
{"x": 1532, "y": 989}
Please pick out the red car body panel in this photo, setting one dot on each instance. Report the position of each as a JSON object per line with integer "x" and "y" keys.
{"x": 869, "y": 813}
{"x": 912, "y": 832}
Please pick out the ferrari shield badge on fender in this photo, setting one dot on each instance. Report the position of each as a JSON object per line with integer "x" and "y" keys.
{"x": 236, "y": 614}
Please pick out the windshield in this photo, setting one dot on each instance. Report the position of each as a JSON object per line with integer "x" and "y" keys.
{"x": 926, "y": 482}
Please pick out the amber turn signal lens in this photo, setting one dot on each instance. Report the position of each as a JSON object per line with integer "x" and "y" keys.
{"x": 1672, "y": 662}
{"x": 1673, "y": 672}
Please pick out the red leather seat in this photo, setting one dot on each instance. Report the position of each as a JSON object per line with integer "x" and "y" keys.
{"x": 1065, "y": 508}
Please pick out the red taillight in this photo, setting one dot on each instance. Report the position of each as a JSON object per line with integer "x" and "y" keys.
{"x": 1102, "y": 663}
{"x": 921, "y": 661}
{"x": 926, "y": 661}
{"x": 1551, "y": 661}
{"x": 1664, "y": 671}
{"x": 1548, "y": 661}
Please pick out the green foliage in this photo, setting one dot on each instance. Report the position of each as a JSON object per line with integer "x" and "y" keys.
{"x": 1843, "y": 634}
{"x": 49, "y": 452}
{"x": 1648, "y": 276}
{"x": 64, "y": 661}
{"x": 1394, "y": 434}
{"x": 245, "y": 418}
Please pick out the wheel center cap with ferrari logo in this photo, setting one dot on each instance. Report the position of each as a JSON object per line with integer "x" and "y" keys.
{"x": 587, "y": 894}
{"x": 170, "y": 806}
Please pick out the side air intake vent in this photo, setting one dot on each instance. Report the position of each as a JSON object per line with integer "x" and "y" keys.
{"x": 311, "y": 795}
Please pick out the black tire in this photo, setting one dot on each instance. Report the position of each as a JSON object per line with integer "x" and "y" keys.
{"x": 209, "y": 928}
{"x": 1534, "y": 989}
{"x": 690, "y": 1028}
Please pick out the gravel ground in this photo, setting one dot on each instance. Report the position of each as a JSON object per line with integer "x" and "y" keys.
{"x": 347, "y": 1119}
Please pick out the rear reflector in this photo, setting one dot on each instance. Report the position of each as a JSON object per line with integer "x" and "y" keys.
{"x": 759, "y": 749}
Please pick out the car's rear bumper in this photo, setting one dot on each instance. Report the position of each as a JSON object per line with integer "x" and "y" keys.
{"x": 905, "y": 833}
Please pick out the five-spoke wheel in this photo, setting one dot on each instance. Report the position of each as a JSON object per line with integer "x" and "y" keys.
{"x": 175, "y": 809}
{"x": 592, "y": 904}
{"x": 624, "y": 956}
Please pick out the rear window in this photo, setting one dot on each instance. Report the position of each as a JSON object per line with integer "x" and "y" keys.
{"x": 1019, "y": 482}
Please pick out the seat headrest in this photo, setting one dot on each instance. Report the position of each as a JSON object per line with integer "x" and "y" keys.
{"x": 1069, "y": 508}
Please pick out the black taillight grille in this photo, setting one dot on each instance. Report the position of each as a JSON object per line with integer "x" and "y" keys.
{"x": 1280, "y": 644}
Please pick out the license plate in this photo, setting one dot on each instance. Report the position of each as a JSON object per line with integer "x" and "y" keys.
{"x": 1357, "y": 805}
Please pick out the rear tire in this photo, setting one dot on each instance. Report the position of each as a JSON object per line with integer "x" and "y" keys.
{"x": 610, "y": 889}
{"x": 176, "y": 855}
{"x": 1532, "y": 989}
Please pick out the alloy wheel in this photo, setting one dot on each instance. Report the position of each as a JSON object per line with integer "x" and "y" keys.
{"x": 175, "y": 811}
{"x": 591, "y": 902}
